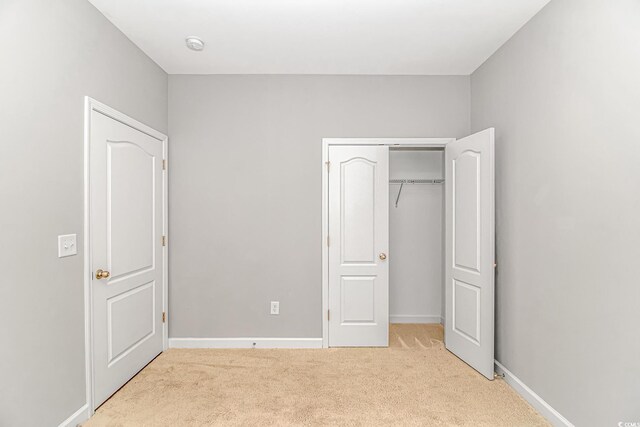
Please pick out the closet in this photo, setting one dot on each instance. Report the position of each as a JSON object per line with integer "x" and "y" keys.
{"x": 416, "y": 235}
{"x": 408, "y": 236}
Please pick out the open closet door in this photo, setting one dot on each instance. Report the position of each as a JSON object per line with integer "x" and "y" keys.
{"x": 358, "y": 244}
{"x": 469, "y": 257}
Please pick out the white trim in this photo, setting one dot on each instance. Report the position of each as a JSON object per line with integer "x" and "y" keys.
{"x": 78, "y": 417}
{"x": 546, "y": 410}
{"x": 165, "y": 248}
{"x": 245, "y": 342}
{"x": 91, "y": 105}
{"x": 88, "y": 337}
{"x": 415, "y": 318}
{"x": 324, "y": 247}
{"x": 326, "y": 143}
{"x": 400, "y": 142}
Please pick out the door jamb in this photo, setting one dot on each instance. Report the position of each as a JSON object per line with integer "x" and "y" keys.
{"x": 91, "y": 105}
{"x": 326, "y": 143}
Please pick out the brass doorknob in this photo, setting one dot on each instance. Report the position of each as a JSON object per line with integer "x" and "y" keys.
{"x": 102, "y": 274}
{"x": 383, "y": 256}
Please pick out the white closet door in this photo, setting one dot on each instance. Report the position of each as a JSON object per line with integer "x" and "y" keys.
{"x": 359, "y": 239}
{"x": 470, "y": 250}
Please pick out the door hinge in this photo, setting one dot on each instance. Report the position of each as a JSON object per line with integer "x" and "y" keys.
{"x": 164, "y": 317}
{"x": 328, "y": 240}
{"x": 164, "y": 240}
{"x": 328, "y": 314}
{"x": 164, "y": 164}
{"x": 328, "y": 163}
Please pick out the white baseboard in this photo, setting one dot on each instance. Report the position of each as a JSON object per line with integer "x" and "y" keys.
{"x": 245, "y": 342}
{"x": 546, "y": 410}
{"x": 415, "y": 318}
{"x": 80, "y": 416}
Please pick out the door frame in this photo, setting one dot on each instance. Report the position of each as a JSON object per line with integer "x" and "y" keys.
{"x": 91, "y": 106}
{"x": 326, "y": 143}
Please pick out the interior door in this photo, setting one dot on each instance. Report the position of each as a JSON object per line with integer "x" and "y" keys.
{"x": 358, "y": 244}
{"x": 469, "y": 257}
{"x": 126, "y": 201}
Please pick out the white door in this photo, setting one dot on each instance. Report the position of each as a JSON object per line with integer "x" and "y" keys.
{"x": 358, "y": 244}
{"x": 126, "y": 220}
{"x": 470, "y": 250}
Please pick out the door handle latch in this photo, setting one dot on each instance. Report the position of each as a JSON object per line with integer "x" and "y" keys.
{"x": 102, "y": 274}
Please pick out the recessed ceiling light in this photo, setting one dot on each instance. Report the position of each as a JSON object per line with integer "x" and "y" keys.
{"x": 194, "y": 43}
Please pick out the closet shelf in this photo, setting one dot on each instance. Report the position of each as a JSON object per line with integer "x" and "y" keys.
{"x": 416, "y": 181}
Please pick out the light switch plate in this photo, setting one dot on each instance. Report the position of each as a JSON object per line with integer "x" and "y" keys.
{"x": 67, "y": 245}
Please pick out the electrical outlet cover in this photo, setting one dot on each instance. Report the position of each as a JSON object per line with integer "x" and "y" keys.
{"x": 275, "y": 307}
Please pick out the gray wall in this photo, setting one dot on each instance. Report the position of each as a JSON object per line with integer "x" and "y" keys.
{"x": 564, "y": 97}
{"x": 245, "y": 185}
{"x": 53, "y": 54}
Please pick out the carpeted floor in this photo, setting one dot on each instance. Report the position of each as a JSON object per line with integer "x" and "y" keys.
{"x": 414, "y": 382}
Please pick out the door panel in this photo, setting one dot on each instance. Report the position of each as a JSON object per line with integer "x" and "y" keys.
{"x": 358, "y": 211}
{"x": 466, "y": 309}
{"x": 470, "y": 250}
{"x": 466, "y": 208}
{"x": 130, "y": 319}
{"x": 359, "y": 233}
{"x": 130, "y": 208}
{"x": 126, "y": 199}
{"x": 357, "y": 299}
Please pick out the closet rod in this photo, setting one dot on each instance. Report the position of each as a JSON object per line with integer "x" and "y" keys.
{"x": 402, "y": 182}
{"x": 416, "y": 181}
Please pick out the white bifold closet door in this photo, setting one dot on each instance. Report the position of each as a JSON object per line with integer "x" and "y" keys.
{"x": 470, "y": 250}
{"x": 359, "y": 233}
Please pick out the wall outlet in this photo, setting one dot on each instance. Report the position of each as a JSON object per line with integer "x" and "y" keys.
{"x": 67, "y": 245}
{"x": 275, "y": 307}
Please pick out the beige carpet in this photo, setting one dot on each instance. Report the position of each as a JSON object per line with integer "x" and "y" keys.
{"x": 414, "y": 382}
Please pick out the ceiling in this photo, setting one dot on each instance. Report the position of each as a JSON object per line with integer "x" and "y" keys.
{"x": 423, "y": 37}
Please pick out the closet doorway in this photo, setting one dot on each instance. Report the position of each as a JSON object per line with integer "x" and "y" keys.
{"x": 408, "y": 226}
